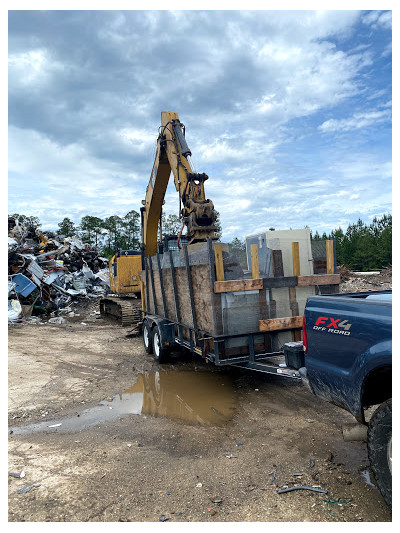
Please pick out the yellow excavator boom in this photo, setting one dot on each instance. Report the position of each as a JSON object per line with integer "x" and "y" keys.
{"x": 197, "y": 212}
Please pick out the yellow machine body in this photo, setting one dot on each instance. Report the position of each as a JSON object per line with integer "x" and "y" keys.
{"x": 124, "y": 274}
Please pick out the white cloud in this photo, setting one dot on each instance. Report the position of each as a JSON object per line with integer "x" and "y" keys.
{"x": 377, "y": 94}
{"x": 378, "y": 18}
{"x": 234, "y": 148}
{"x": 31, "y": 69}
{"x": 317, "y": 183}
{"x": 307, "y": 78}
{"x": 140, "y": 139}
{"x": 357, "y": 121}
{"x": 387, "y": 50}
{"x": 353, "y": 169}
{"x": 66, "y": 180}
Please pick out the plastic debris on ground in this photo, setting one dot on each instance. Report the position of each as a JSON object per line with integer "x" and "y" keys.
{"x": 49, "y": 274}
{"x": 57, "y": 320}
{"x": 14, "y": 310}
{"x": 17, "y": 476}
{"x": 27, "y": 488}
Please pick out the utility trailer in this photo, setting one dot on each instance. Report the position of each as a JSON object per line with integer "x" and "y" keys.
{"x": 200, "y": 299}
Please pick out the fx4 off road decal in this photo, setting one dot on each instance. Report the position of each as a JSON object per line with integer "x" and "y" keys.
{"x": 332, "y": 325}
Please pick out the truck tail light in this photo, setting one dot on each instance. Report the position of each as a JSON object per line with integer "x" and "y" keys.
{"x": 305, "y": 343}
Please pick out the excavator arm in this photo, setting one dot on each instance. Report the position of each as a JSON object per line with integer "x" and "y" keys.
{"x": 197, "y": 212}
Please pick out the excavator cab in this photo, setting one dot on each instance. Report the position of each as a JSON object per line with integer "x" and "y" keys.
{"x": 171, "y": 242}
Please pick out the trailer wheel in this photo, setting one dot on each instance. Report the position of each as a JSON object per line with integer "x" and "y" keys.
{"x": 161, "y": 353}
{"x": 147, "y": 338}
{"x": 380, "y": 449}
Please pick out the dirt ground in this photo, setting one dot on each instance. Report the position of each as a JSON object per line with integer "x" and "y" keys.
{"x": 268, "y": 433}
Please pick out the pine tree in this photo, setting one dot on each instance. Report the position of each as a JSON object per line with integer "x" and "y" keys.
{"x": 66, "y": 228}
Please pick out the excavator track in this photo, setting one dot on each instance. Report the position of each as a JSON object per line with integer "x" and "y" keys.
{"x": 125, "y": 310}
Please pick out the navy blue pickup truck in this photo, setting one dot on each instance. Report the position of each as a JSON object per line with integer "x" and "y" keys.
{"x": 347, "y": 340}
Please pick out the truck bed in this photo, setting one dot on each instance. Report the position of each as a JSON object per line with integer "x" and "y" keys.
{"x": 348, "y": 337}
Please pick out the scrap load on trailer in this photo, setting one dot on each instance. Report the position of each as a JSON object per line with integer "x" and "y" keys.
{"x": 200, "y": 298}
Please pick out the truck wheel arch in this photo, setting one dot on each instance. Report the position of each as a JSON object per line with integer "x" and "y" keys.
{"x": 377, "y": 386}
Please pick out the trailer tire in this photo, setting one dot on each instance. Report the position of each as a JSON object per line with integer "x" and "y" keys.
{"x": 147, "y": 338}
{"x": 161, "y": 353}
{"x": 380, "y": 449}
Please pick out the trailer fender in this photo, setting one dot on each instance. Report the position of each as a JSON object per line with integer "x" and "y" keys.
{"x": 165, "y": 327}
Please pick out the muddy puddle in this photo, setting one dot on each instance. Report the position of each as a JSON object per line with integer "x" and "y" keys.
{"x": 202, "y": 398}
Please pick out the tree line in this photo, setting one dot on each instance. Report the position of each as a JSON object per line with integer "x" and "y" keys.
{"x": 360, "y": 247}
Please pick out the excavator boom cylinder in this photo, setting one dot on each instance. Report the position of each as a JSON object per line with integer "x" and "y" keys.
{"x": 178, "y": 131}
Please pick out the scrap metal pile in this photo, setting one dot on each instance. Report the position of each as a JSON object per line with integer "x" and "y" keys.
{"x": 48, "y": 274}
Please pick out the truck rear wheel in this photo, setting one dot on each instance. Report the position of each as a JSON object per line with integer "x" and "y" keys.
{"x": 161, "y": 353}
{"x": 147, "y": 338}
{"x": 380, "y": 449}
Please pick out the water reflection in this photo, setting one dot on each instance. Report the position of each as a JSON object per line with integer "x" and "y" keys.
{"x": 194, "y": 397}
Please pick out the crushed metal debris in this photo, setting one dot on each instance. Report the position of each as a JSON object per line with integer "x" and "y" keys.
{"x": 48, "y": 274}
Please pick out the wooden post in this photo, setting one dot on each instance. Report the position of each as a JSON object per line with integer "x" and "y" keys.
{"x": 330, "y": 263}
{"x": 283, "y": 323}
{"x": 219, "y": 263}
{"x": 296, "y": 259}
{"x": 255, "y": 270}
{"x": 216, "y": 309}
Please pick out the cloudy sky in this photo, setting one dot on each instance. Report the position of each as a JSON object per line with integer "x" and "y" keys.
{"x": 289, "y": 113}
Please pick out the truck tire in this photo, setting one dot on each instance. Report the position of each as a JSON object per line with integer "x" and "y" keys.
{"x": 380, "y": 449}
{"x": 161, "y": 353}
{"x": 147, "y": 338}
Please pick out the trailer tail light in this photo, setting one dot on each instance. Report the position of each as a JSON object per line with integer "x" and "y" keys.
{"x": 305, "y": 343}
